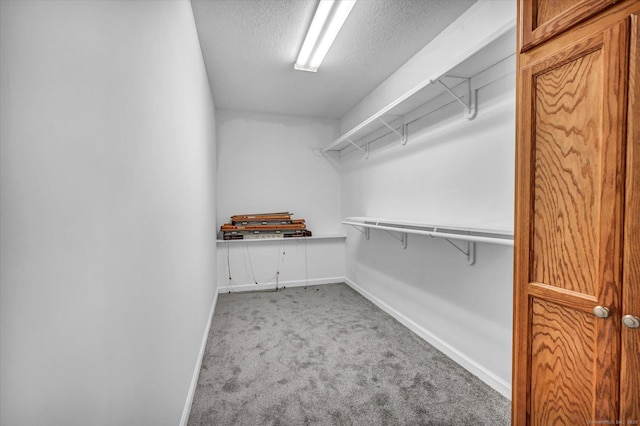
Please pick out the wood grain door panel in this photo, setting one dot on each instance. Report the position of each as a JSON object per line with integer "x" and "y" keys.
{"x": 630, "y": 366}
{"x": 567, "y": 173}
{"x": 569, "y": 229}
{"x": 563, "y": 364}
{"x": 545, "y": 19}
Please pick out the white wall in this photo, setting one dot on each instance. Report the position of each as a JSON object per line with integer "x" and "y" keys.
{"x": 107, "y": 211}
{"x": 266, "y": 163}
{"x": 451, "y": 172}
{"x": 264, "y": 265}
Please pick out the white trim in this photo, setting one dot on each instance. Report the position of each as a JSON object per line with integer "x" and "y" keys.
{"x": 196, "y": 372}
{"x": 472, "y": 366}
{"x": 271, "y": 286}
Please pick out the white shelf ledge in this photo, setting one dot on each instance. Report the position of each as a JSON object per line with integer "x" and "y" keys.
{"x": 455, "y": 78}
{"x": 260, "y": 240}
{"x": 481, "y": 235}
{"x": 449, "y": 233}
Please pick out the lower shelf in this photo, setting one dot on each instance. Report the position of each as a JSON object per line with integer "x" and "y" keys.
{"x": 492, "y": 236}
{"x": 470, "y": 235}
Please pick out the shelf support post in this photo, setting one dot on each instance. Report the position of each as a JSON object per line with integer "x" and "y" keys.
{"x": 402, "y": 136}
{"x": 471, "y": 258}
{"x": 470, "y": 107}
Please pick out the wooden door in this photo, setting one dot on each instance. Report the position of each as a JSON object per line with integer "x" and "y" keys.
{"x": 543, "y": 19}
{"x": 630, "y": 366}
{"x": 569, "y": 215}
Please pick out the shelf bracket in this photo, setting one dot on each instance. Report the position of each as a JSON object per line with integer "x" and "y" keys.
{"x": 402, "y": 136}
{"x": 470, "y": 252}
{"x": 403, "y": 238}
{"x": 365, "y": 231}
{"x": 366, "y": 152}
{"x": 355, "y": 144}
{"x": 471, "y": 106}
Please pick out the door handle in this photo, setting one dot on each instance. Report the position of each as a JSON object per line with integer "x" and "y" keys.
{"x": 631, "y": 321}
{"x": 601, "y": 311}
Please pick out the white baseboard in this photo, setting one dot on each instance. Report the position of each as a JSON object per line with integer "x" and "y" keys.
{"x": 196, "y": 372}
{"x": 281, "y": 284}
{"x": 470, "y": 365}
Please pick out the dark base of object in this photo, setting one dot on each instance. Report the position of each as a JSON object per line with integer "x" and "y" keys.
{"x": 260, "y": 235}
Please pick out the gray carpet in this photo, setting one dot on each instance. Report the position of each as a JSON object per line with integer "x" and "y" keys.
{"x": 325, "y": 355}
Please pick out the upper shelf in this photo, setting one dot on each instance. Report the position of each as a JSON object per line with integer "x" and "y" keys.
{"x": 480, "y": 56}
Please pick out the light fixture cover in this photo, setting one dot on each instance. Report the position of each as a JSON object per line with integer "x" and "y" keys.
{"x": 327, "y": 21}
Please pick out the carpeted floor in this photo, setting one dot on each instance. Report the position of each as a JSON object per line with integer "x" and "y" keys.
{"x": 326, "y": 355}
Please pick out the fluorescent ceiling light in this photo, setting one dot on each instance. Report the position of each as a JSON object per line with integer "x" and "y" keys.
{"x": 329, "y": 17}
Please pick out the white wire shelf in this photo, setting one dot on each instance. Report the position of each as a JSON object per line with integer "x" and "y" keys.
{"x": 456, "y": 78}
{"x": 481, "y": 235}
{"x": 449, "y": 233}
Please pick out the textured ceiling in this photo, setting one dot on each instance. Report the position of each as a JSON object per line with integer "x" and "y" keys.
{"x": 249, "y": 48}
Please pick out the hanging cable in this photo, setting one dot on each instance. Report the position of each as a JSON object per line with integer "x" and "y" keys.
{"x": 281, "y": 250}
{"x": 306, "y": 264}
{"x": 249, "y": 269}
{"x": 231, "y": 281}
{"x": 248, "y": 256}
